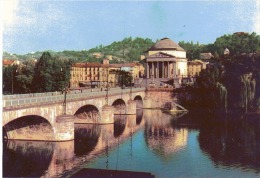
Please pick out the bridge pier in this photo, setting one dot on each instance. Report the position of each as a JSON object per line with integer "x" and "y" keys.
{"x": 64, "y": 128}
{"x": 107, "y": 115}
{"x": 131, "y": 107}
{"x": 147, "y": 103}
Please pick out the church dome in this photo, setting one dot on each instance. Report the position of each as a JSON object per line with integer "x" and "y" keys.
{"x": 166, "y": 44}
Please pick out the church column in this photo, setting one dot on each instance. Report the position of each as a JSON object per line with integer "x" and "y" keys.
{"x": 153, "y": 69}
{"x": 163, "y": 74}
{"x": 157, "y": 75}
{"x": 169, "y": 71}
{"x": 147, "y": 70}
{"x": 174, "y": 69}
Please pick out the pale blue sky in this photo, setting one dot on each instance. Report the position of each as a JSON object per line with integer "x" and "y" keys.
{"x": 31, "y": 26}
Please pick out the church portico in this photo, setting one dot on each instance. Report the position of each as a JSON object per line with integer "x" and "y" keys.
{"x": 166, "y": 60}
{"x": 160, "y": 65}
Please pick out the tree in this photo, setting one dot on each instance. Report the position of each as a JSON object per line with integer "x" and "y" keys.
{"x": 192, "y": 50}
{"x": 9, "y": 79}
{"x": 51, "y": 74}
{"x": 25, "y": 73}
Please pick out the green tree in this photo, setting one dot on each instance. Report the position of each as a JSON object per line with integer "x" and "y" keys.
{"x": 51, "y": 74}
{"x": 25, "y": 73}
{"x": 9, "y": 79}
{"x": 192, "y": 50}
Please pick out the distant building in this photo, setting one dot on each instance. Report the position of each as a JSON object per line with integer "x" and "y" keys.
{"x": 226, "y": 51}
{"x": 135, "y": 68}
{"x": 110, "y": 57}
{"x": 97, "y": 55}
{"x": 206, "y": 56}
{"x": 142, "y": 57}
{"x": 240, "y": 33}
{"x": 9, "y": 62}
{"x": 195, "y": 67}
{"x": 106, "y": 61}
{"x": 166, "y": 59}
{"x": 97, "y": 75}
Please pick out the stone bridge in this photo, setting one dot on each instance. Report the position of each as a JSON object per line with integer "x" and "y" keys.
{"x": 90, "y": 140}
{"x": 51, "y": 116}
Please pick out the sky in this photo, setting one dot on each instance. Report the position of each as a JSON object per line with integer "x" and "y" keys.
{"x": 30, "y": 26}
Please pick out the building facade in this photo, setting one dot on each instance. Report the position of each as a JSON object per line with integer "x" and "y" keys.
{"x": 206, "y": 56}
{"x": 166, "y": 59}
{"x": 99, "y": 75}
{"x": 195, "y": 67}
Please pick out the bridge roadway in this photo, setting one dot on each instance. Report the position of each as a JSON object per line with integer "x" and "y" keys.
{"x": 40, "y": 116}
{"x": 32, "y": 99}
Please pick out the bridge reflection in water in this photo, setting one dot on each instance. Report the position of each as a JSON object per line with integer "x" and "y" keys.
{"x": 48, "y": 159}
{"x": 150, "y": 131}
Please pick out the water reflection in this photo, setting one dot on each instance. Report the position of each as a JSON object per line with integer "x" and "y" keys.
{"x": 119, "y": 124}
{"x": 86, "y": 138}
{"x": 139, "y": 116}
{"x": 51, "y": 159}
{"x": 150, "y": 136}
{"x": 34, "y": 159}
{"x": 234, "y": 143}
{"x": 160, "y": 136}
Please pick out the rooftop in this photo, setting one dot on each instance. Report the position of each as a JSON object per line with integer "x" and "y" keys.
{"x": 167, "y": 44}
{"x": 96, "y": 64}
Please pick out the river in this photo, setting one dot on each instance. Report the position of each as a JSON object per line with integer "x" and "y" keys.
{"x": 151, "y": 141}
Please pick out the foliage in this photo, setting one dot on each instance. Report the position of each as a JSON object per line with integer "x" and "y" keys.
{"x": 124, "y": 78}
{"x": 237, "y": 44}
{"x": 192, "y": 50}
{"x": 126, "y": 50}
{"x": 9, "y": 79}
{"x": 25, "y": 73}
{"x": 230, "y": 82}
{"x": 51, "y": 74}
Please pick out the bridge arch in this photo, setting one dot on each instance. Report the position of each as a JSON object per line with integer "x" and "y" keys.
{"x": 120, "y": 106}
{"x": 139, "y": 101}
{"x": 30, "y": 127}
{"x": 88, "y": 113}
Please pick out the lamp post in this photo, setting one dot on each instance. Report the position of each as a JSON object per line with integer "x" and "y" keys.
{"x": 65, "y": 94}
{"x": 12, "y": 81}
{"x": 65, "y": 101}
{"x": 107, "y": 89}
{"x": 13, "y": 71}
{"x": 131, "y": 75}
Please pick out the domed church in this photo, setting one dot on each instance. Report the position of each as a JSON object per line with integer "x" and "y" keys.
{"x": 166, "y": 60}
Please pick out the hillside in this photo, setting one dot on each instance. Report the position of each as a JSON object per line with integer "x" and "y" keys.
{"x": 126, "y": 50}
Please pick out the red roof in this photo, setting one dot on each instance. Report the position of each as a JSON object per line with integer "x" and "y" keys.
{"x": 96, "y": 64}
{"x": 7, "y": 62}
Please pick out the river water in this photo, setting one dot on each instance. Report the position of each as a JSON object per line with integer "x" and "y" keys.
{"x": 151, "y": 141}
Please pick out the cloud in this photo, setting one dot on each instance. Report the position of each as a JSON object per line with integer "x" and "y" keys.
{"x": 33, "y": 14}
{"x": 9, "y": 12}
{"x": 25, "y": 19}
{"x": 256, "y": 18}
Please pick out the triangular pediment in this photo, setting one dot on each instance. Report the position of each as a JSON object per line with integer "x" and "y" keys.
{"x": 161, "y": 55}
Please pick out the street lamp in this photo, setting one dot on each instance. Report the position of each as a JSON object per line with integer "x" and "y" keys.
{"x": 13, "y": 80}
{"x": 65, "y": 94}
{"x": 131, "y": 75}
{"x": 107, "y": 88}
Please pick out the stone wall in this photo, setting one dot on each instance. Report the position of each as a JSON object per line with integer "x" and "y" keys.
{"x": 159, "y": 97}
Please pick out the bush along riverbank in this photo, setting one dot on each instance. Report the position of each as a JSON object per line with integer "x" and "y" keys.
{"x": 230, "y": 84}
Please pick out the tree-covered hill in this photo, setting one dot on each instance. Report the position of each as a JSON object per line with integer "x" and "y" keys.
{"x": 237, "y": 43}
{"x": 128, "y": 49}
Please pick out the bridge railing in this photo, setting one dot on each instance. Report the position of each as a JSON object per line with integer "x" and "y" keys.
{"x": 58, "y": 97}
